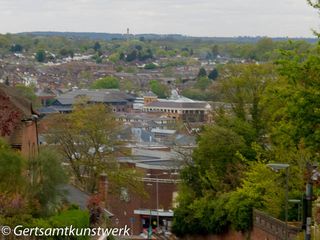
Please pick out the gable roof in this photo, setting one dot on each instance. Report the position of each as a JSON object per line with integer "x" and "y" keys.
{"x": 15, "y": 109}
{"x": 21, "y": 103}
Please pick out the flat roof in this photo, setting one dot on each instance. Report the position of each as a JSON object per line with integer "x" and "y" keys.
{"x": 151, "y": 212}
{"x": 164, "y": 131}
{"x": 179, "y": 105}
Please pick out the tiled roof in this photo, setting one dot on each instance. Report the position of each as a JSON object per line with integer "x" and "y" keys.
{"x": 16, "y": 99}
{"x": 17, "y": 104}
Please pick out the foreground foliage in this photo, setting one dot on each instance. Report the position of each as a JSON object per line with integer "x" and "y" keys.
{"x": 88, "y": 140}
{"x": 274, "y": 117}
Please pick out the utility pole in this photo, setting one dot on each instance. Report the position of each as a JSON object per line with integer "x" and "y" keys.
{"x": 277, "y": 167}
{"x": 312, "y": 175}
{"x": 157, "y": 190}
{"x": 150, "y": 226}
{"x": 308, "y": 209}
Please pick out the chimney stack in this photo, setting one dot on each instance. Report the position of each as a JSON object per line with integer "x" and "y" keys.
{"x": 103, "y": 187}
{"x": 7, "y": 83}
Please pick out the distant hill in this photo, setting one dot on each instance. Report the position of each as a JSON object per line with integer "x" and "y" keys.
{"x": 173, "y": 37}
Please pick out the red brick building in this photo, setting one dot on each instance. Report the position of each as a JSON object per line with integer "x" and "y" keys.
{"x": 156, "y": 206}
{"x": 18, "y": 122}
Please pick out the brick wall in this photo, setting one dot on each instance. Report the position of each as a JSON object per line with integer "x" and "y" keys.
{"x": 264, "y": 228}
{"x": 227, "y": 236}
{"x": 123, "y": 210}
{"x": 29, "y": 146}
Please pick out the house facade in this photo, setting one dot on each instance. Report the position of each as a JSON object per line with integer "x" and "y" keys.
{"x": 152, "y": 208}
{"x": 18, "y": 122}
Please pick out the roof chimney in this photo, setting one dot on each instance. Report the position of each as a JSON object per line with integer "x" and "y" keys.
{"x": 103, "y": 187}
{"x": 7, "y": 82}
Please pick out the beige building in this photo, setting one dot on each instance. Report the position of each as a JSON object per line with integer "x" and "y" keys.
{"x": 183, "y": 109}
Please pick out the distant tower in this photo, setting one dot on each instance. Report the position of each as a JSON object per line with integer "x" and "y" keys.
{"x": 128, "y": 33}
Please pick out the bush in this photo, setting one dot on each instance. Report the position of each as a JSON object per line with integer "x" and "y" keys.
{"x": 41, "y": 55}
{"x": 150, "y": 66}
{"x": 106, "y": 83}
{"x": 160, "y": 89}
{"x": 203, "y": 216}
{"x": 75, "y": 217}
{"x": 239, "y": 207}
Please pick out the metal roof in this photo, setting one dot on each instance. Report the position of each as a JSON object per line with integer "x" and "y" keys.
{"x": 102, "y": 96}
{"x": 151, "y": 212}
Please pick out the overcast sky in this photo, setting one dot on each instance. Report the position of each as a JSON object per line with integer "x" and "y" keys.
{"x": 292, "y": 18}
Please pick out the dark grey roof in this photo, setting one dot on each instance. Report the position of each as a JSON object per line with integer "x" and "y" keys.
{"x": 166, "y": 163}
{"x": 147, "y": 136}
{"x": 174, "y": 104}
{"x": 99, "y": 96}
{"x": 65, "y": 100}
{"x": 185, "y": 140}
{"x": 47, "y": 110}
{"x": 150, "y": 94}
{"x": 55, "y": 109}
{"x": 75, "y": 196}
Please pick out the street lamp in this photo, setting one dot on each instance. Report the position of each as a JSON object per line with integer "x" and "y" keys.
{"x": 277, "y": 167}
{"x": 150, "y": 219}
{"x": 157, "y": 193}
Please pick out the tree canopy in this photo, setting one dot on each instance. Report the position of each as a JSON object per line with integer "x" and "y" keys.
{"x": 160, "y": 89}
{"x": 88, "y": 140}
{"x": 106, "y": 83}
{"x": 272, "y": 117}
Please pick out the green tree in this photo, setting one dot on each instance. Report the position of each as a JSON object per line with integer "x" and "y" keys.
{"x": 11, "y": 179}
{"x": 243, "y": 86}
{"x": 66, "y": 52}
{"x": 197, "y": 94}
{"x": 150, "y": 66}
{"x": 292, "y": 104}
{"x": 216, "y": 169}
{"x": 16, "y": 48}
{"x": 202, "y": 83}
{"x": 217, "y": 154}
{"x": 213, "y": 75}
{"x": 96, "y": 46}
{"x": 273, "y": 119}
{"x": 215, "y": 51}
{"x": 87, "y": 139}
{"x": 202, "y": 72}
{"x": 40, "y": 55}
{"x": 106, "y": 83}
{"x": 160, "y": 89}
{"x": 29, "y": 93}
{"x": 132, "y": 56}
{"x": 122, "y": 56}
{"x": 47, "y": 178}
{"x": 263, "y": 49}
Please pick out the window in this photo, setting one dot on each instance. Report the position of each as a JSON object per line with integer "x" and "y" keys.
{"x": 124, "y": 194}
